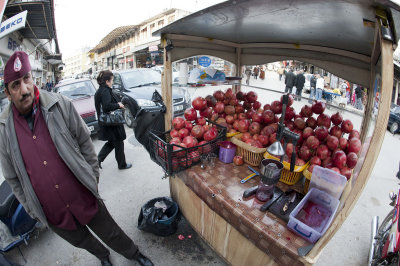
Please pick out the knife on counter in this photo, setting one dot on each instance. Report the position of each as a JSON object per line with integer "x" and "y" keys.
{"x": 291, "y": 199}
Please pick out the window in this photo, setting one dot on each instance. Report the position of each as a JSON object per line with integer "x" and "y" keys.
{"x": 152, "y": 25}
{"x": 160, "y": 23}
{"x": 171, "y": 19}
{"x": 117, "y": 80}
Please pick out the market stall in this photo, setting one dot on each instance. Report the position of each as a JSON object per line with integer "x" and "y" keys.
{"x": 357, "y": 47}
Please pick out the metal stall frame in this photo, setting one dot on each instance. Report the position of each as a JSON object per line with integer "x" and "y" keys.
{"x": 346, "y": 38}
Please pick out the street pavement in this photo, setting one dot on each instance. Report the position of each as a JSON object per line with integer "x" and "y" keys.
{"x": 125, "y": 191}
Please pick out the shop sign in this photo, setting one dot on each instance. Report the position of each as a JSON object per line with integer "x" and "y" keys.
{"x": 12, "y": 24}
{"x": 153, "y": 48}
{"x": 126, "y": 49}
{"x": 13, "y": 45}
{"x": 204, "y": 61}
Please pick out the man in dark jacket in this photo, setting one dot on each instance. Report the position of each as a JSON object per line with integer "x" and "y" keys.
{"x": 359, "y": 96}
{"x": 300, "y": 80}
{"x": 290, "y": 80}
{"x": 49, "y": 161}
{"x": 313, "y": 85}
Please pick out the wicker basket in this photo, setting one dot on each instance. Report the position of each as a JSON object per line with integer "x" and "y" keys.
{"x": 230, "y": 135}
{"x": 251, "y": 155}
{"x": 288, "y": 177}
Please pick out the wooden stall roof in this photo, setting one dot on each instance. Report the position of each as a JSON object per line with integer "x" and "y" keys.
{"x": 337, "y": 35}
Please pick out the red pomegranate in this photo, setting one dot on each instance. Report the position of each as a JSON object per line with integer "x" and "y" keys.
{"x": 267, "y": 107}
{"x": 219, "y": 95}
{"x": 199, "y": 103}
{"x": 206, "y": 112}
{"x": 290, "y": 100}
{"x": 321, "y": 133}
{"x": 219, "y": 107}
{"x": 251, "y": 97}
{"x": 315, "y": 160}
{"x": 201, "y": 121}
{"x": 183, "y": 133}
{"x": 312, "y": 142}
{"x": 178, "y": 123}
{"x": 300, "y": 123}
{"x": 339, "y": 159}
{"x": 318, "y": 107}
{"x": 305, "y": 153}
{"x": 308, "y": 131}
{"x": 174, "y": 133}
{"x": 268, "y": 117}
{"x": 254, "y": 128}
{"x": 343, "y": 143}
{"x": 352, "y": 159}
{"x": 345, "y": 171}
{"x": 190, "y": 141}
{"x": 211, "y": 101}
{"x": 311, "y": 122}
{"x": 332, "y": 142}
{"x": 337, "y": 119}
{"x": 347, "y": 126}
{"x": 322, "y": 152}
{"x": 240, "y": 95}
{"x": 256, "y": 105}
{"x": 354, "y": 146}
{"x": 229, "y": 109}
{"x": 354, "y": 134}
{"x": 190, "y": 114}
{"x": 306, "y": 111}
{"x": 243, "y": 127}
{"x": 276, "y": 107}
{"x": 336, "y": 131}
{"x": 257, "y": 117}
{"x": 324, "y": 120}
{"x": 210, "y": 134}
{"x": 239, "y": 109}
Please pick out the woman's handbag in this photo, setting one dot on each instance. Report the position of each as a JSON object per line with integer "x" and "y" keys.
{"x": 112, "y": 118}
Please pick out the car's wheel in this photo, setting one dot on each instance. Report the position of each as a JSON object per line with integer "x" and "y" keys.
{"x": 128, "y": 118}
{"x": 394, "y": 127}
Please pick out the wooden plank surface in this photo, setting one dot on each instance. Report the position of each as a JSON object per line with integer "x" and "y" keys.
{"x": 166, "y": 88}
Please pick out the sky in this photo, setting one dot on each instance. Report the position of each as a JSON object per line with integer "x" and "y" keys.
{"x": 82, "y": 23}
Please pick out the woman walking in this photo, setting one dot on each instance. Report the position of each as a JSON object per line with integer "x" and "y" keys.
{"x": 105, "y": 101}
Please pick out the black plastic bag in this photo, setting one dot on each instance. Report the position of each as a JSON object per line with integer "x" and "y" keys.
{"x": 158, "y": 221}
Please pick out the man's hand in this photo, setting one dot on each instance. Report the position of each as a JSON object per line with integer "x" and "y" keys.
{"x": 121, "y": 105}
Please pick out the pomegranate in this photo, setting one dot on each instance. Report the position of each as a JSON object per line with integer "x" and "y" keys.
{"x": 190, "y": 141}
{"x": 321, "y": 133}
{"x": 308, "y": 131}
{"x": 234, "y": 101}
{"x": 324, "y": 120}
{"x": 327, "y": 162}
{"x": 236, "y": 125}
{"x": 219, "y": 95}
{"x": 290, "y": 113}
{"x": 204, "y": 149}
{"x": 345, "y": 171}
{"x": 311, "y": 168}
{"x": 305, "y": 153}
{"x": 174, "y": 133}
{"x": 267, "y": 130}
{"x": 175, "y": 140}
{"x": 219, "y": 107}
{"x": 337, "y": 170}
{"x": 290, "y": 100}
{"x": 336, "y": 131}
{"x": 246, "y": 136}
{"x": 214, "y": 116}
{"x": 347, "y": 126}
{"x": 243, "y": 127}
{"x": 337, "y": 119}
{"x": 238, "y": 160}
{"x": 332, "y": 142}
{"x": 318, "y": 107}
{"x": 211, "y": 101}
{"x": 247, "y": 105}
{"x": 249, "y": 113}
{"x": 197, "y": 132}
{"x": 190, "y": 114}
{"x": 199, "y": 103}
{"x": 352, "y": 159}
{"x": 339, "y": 159}
{"x": 240, "y": 95}
{"x": 256, "y": 105}
{"x": 274, "y": 126}
{"x": 323, "y": 152}
{"x": 206, "y": 112}
{"x": 301, "y": 138}
{"x": 257, "y": 117}
{"x": 254, "y": 128}
{"x": 229, "y": 119}
{"x": 300, "y": 162}
{"x": 272, "y": 138}
{"x": 300, "y": 123}
{"x": 354, "y": 146}
{"x": 312, "y": 142}
{"x": 306, "y": 111}
{"x": 229, "y": 109}
{"x": 267, "y": 107}
{"x": 311, "y": 122}
{"x": 210, "y": 134}
{"x": 201, "y": 121}
{"x": 354, "y": 134}
{"x": 239, "y": 109}
{"x": 289, "y": 125}
{"x": 268, "y": 117}
{"x": 251, "y": 97}
{"x": 289, "y": 149}
{"x": 242, "y": 116}
{"x": 220, "y": 121}
{"x": 343, "y": 143}
{"x": 315, "y": 160}
{"x": 183, "y": 132}
{"x": 263, "y": 139}
{"x": 178, "y": 123}
{"x": 276, "y": 107}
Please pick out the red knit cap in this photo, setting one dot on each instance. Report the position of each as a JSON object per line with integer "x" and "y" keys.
{"x": 16, "y": 67}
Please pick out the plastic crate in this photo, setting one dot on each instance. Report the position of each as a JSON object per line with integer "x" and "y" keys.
{"x": 251, "y": 155}
{"x": 288, "y": 177}
{"x": 173, "y": 161}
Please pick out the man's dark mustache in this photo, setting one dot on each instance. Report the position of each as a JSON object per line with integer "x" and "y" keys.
{"x": 25, "y": 96}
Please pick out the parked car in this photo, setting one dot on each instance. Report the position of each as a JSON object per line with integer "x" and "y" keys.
{"x": 394, "y": 119}
{"x": 81, "y": 92}
{"x": 137, "y": 86}
{"x": 175, "y": 74}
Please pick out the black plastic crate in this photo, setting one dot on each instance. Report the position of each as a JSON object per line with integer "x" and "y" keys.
{"x": 162, "y": 152}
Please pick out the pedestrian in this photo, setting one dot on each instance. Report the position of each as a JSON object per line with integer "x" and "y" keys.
{"x": 300, "y": 80}
{"x": 49, "y": 161}
{"x": 290, "y": 80}
{"x": 313, "y": 84}
{"x": 43, "y": 87}
{"x": 256, "y": 71}
{"x": 262, "y": 72}
{"x": 105, "y": 101}
{"x": 280, "y": 72}
{"x": 248, "y": 74}
{"x": 359, "y": 97}
{"x": 320, "y": 85}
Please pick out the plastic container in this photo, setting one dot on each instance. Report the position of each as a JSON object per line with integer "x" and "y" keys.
{"x": 227, "y": 151}
{"x": 326, "y": 187}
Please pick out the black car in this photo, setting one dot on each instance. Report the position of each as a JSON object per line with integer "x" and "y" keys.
{"x": 138, "y": 85}
{"x": 394, "y": 118}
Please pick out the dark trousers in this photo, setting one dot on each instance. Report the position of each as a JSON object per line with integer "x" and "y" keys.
{"x": 119, "y": 152}
{"x": 288, "y": 90}
{"x": 298, "y": 93}
{"x": 104, "y": 226}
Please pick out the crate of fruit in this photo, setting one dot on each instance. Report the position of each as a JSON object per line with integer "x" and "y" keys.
{"x": 288, "y": 177}
{"x": 176, "y": 150}
{"x": 251, "y": 155}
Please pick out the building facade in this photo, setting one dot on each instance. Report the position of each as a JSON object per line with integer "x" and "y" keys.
{"x": 133, "y": 46}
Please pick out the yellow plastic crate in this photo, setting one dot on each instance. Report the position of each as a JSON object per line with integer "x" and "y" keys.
{"x": 288, "y": 177}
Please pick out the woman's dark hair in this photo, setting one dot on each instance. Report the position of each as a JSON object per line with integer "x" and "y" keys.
{"x": 104, "y": 75}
